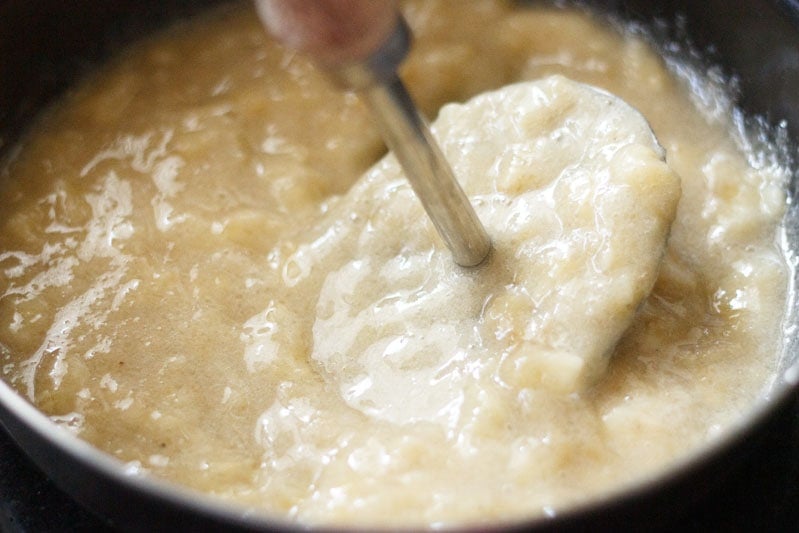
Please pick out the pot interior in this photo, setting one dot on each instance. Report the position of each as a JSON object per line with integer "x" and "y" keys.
{"x": 62, "y": 42}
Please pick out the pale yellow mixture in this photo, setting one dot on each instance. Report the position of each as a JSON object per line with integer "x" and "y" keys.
{"x": 201, "y": 274}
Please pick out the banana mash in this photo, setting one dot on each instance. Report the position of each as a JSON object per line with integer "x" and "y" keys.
{"x": 210, "y": 269}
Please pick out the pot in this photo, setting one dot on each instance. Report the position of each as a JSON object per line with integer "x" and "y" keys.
{"x": 46, "y": 45}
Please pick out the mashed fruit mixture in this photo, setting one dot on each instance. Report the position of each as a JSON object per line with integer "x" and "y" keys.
{"x": 208, "y": 271}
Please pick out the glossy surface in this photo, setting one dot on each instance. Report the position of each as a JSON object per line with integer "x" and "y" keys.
{"x": 315, "y": 379}
{"x": 759, "y": 492}
{"x": 737, "y": 6}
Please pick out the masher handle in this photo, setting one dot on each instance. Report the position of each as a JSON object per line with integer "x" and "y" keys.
{"x": 333, "y": 32}
{"x": 362, "y": 43}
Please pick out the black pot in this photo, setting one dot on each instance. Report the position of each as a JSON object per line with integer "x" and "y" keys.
{"x": 45, "y": 45}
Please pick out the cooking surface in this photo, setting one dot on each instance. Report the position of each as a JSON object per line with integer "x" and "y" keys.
{"x": 763, "y": 494}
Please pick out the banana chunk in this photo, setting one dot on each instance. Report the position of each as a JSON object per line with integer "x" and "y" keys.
{"x": 572, "y": 186}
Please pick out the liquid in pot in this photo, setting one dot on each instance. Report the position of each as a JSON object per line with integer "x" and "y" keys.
{"x": 175, "y": 264}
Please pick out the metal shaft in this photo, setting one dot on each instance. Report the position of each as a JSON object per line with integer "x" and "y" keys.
{"x": 362, "y": 43}
{"x": 429, "y": 173}
{"x": 407, "y": 135}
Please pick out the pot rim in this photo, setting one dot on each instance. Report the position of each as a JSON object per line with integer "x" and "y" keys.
{"x": 14, "y": 408}
{"x": 237, "y": 515}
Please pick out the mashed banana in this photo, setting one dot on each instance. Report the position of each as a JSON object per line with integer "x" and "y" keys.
{"x": 201, "y": 274}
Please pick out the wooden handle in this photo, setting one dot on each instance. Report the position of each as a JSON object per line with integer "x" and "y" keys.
{"x": 334, "y": 32}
